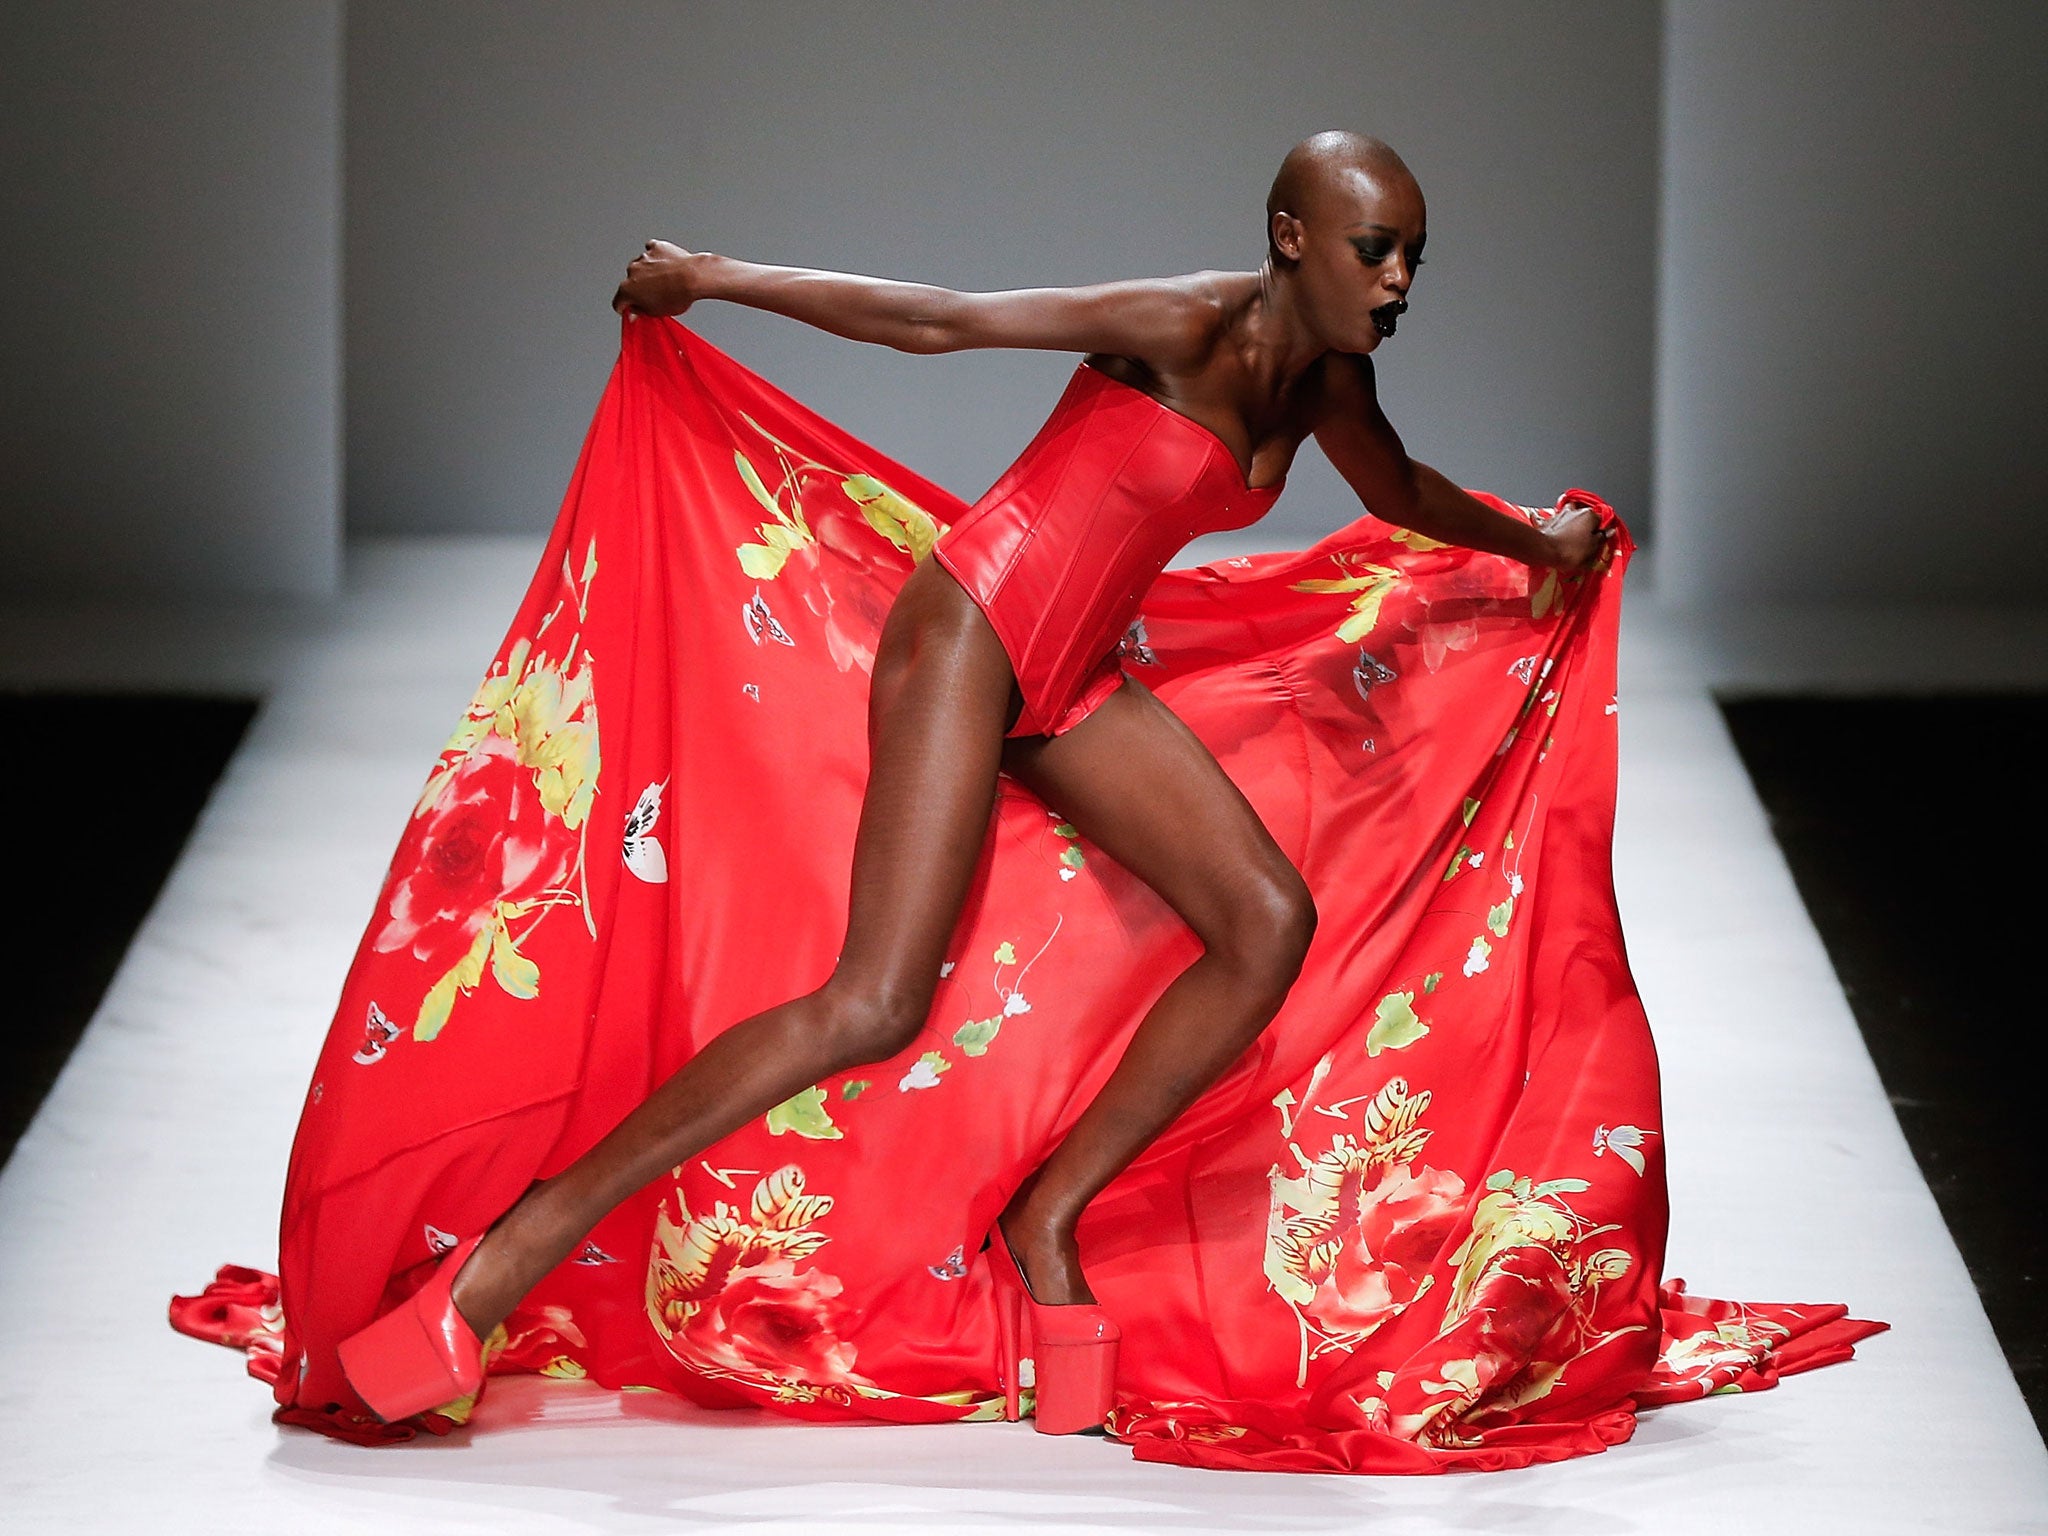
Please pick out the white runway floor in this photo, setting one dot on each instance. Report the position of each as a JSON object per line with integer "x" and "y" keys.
{"x": 161, "y": 1153}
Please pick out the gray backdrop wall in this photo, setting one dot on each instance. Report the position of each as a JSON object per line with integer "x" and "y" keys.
{"x": 170, "y": 297}
{"x": 1850, "y": 376}
{"x": 507, "y": 157}
{"x": 1807, "y": 233}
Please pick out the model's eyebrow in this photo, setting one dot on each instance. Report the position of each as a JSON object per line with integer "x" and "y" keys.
{"x": 1387, "y": 229}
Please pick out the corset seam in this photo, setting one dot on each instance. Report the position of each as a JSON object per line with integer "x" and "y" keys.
{"x": 1073, "y": 565}
{"x": 1114, "y": 564}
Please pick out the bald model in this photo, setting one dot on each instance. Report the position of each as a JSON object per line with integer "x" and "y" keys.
{"x": 1320, "y": 162}
{"x": 1265, "y": 360}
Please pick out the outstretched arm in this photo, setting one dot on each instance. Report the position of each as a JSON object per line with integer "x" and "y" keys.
{"x": 1159, "y": 319}
{"x": 1361, "y": 444}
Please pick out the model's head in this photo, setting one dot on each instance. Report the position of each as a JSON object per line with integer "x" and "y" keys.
{"x": 1345, "y": 224}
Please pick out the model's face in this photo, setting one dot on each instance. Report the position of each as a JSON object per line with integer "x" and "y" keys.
{"x": 1357, "y": 250}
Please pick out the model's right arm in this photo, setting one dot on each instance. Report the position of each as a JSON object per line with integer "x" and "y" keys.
{"x": 1159, "y": 319}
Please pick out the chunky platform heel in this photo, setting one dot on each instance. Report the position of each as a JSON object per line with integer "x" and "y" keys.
{"x": 420, "y": 1354}
{"x": 1071, "y": 1349}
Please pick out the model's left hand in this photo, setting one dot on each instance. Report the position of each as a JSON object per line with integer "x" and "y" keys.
{"x": 1577, "y": 540}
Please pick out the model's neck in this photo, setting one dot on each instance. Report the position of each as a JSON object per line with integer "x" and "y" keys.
{"x": 1275, "y": 339}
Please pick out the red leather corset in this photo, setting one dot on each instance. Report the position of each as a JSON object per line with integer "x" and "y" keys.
{"x": 1060, "y": 550}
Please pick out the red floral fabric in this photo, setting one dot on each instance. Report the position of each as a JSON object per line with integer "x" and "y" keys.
{"x": 1419, "y": 1225}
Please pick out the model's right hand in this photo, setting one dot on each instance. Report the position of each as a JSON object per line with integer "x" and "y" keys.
{"x": 658, "y": 281}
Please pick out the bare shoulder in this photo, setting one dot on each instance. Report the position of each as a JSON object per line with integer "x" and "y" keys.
{"x": 1180, "y": 325}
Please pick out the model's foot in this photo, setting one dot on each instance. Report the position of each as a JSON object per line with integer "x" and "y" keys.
{"x": 1046, "y": 1252}
{"x": 516, "y": 1251}
{"x": 481, "y": 1286}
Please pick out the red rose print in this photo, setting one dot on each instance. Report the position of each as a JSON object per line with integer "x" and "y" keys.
{"x": 486, "y": 838}
{"x": 770, "y": 1320}
{"x": 1402, "y": 1223}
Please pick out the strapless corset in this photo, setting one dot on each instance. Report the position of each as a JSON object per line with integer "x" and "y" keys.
{"x": 1061, "y": 549}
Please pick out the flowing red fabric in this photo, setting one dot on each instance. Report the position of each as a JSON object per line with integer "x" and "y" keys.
{"x": 1418, "y": 1226}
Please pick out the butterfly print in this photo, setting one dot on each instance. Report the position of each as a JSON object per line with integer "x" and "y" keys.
{"x": 760, "y": 621}
{"x": 1135, "y": 646}
{"x": 378, "y": 1032}
{"x": 644, "y": 855}
{"x": 1624, "y": 1141}
{"x": 1370, "y": 673}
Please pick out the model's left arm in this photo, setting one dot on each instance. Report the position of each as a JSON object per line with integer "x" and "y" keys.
{"x": 1364, "y": 448}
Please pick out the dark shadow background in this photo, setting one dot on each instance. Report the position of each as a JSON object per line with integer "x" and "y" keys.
{"x": 93, "y": 858}
{"x": 1909, "y": 827}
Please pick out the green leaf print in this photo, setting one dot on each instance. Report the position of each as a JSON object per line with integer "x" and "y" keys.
{"x": 754, "y": 484}
{"x": 974, "y": 1036}
{"x": 924, "y": 1072}
{"x": 1429, "y": 982}
{"x": 512, "y": 970}
{"x": 1497, "y": 917}
{"x": 806, "y": 1115}
{"x": 1005, "y": 954}
{"x": 1471, "y": 809}
{"x": 854, "y": 1089}
{"x": 440, "y": 999}
{"x": 1395, "y": 1025}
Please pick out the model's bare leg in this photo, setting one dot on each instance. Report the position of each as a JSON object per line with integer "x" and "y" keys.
{"x": 1135, "y": 781}
{"x": 942, "y": 696}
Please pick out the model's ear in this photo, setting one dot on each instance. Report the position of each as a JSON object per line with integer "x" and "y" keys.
{"x": 1287, "y": 233}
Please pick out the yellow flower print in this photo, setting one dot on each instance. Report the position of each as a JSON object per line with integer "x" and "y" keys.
{"x": 1349, "y": 1243}
{"x": 726, "y": 1296}
{"x": 1520, "y": 1212}
{"x": 1421, "y": 543}
{"x": 1728, "y": 1348}
{"x": 894, "y": 516}
{"x": 780, "y": 538}
{"x": 495, "y": 834}
{"x": 549, "y": 718}
{"x": 1372, "y": 584}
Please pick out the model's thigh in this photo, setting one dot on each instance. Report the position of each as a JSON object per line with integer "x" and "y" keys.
{"x": 936, "y": 711}
{"x": 1141, "y": 786}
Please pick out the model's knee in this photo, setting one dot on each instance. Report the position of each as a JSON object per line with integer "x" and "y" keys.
{"x": 864, "y": 1025}
{"x": 1269, "y": 936}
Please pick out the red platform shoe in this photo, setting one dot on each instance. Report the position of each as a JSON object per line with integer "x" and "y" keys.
{"x": 1071, "y": 1348}
{"x": 419, "y": 1355}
